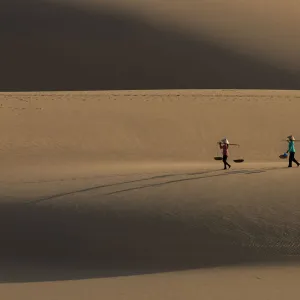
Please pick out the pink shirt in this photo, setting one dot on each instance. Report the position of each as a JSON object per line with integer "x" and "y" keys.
{"x": 225, "y": 149}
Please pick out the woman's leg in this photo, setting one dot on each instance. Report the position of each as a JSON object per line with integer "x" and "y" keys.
{"x": 229, "y": 166}
{"x": 295, "y": 160}
{"x": 225, "y": 161}
{"x": 291, "y": 158}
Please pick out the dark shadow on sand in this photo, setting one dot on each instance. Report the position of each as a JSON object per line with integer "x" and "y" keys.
{"x": 48, "y": 46}
{"x": 46, "y": 242}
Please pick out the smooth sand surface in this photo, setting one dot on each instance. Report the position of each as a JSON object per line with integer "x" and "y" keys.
{"x": 149, "y": 44}
{"x": 266, "y": 29}
{"x": 233, "y": 283}
{"x": 146, "y": 126}
{"x": 117, "y": 195}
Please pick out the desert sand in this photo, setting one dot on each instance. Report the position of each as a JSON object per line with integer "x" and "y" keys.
{"x": 149, "y": 44}
{"x": 116, "y": 195}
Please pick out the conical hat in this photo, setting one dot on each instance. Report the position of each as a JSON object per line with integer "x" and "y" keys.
{"x": 291, "y": 138}
{"x": 225, "y": 141}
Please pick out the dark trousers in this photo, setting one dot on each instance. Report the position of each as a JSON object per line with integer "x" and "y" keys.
{"x": 225, "y": 162}
{"x": 292, "y": 159}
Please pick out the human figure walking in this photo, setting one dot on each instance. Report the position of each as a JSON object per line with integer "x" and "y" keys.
{"x": 224, "y": 145}
{"x": 291, "y": 150}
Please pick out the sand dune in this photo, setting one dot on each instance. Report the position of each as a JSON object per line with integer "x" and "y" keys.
{"x": 134, "y": 127}
{"x": 115, "y": 189}
{"x": 268, "y": 29}
{"x": 115, "y": 194}
{"x": 52, "y": 45}
{"x": 143, "y": 223}
{"x": 266, "y": 283}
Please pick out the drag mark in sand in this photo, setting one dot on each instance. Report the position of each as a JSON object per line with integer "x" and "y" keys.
{"x": 190, "y": 176}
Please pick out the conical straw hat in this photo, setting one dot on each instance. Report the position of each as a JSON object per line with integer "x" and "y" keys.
{"x": 225, "y": 141}
{"x": 291, "y": 138}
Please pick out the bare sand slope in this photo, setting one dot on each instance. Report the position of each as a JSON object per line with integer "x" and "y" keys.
{"x": 115, "y": 226}
{"x": 100, "y": 185}
{"x": 249, "y": 283}
{"x": 133, "y": 127}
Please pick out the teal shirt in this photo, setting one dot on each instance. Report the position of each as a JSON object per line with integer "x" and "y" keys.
{"x": 291, "y": 146}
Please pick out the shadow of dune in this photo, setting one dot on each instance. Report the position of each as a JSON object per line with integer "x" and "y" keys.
{"x": 105, "y": 244}
{"x": 48, "y": 242}
{"x": 50, "y": 46}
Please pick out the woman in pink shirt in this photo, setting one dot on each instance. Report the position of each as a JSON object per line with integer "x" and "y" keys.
{"x": 224, "y": 145}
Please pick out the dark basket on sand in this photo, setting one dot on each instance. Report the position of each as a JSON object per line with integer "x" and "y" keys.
{"x": 240, "y": 160}
{"x": 218, "y": 158}
{"x": 283, "y": 156}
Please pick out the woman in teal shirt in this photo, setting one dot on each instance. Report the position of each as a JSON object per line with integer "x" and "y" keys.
{"x": 292, "y": 151}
